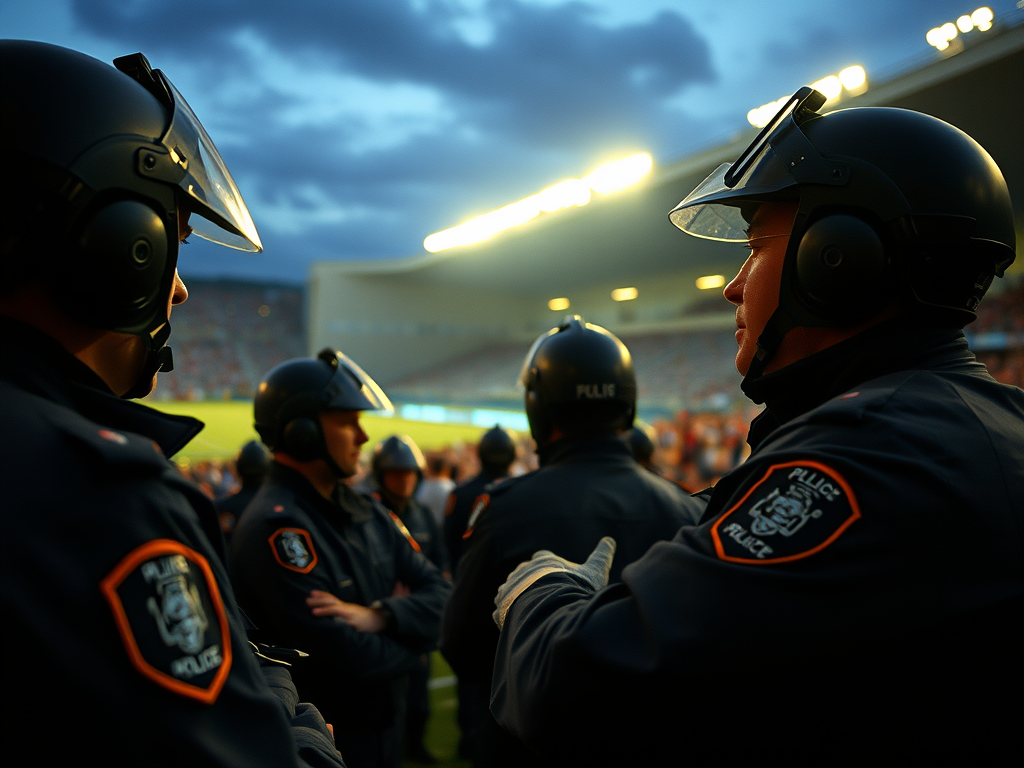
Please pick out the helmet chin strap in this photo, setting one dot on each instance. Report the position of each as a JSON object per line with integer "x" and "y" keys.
{"x": 775, "y": 330}
{"x": 158, "y": 360}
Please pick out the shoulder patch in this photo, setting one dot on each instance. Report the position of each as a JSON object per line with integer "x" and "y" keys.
{"x": 405, "y": 531}
{"x": 171, "y": 617}
{"x": 293, "y": 548}
{"x": 795, "y": 510}
{"x": 478, "y": 509}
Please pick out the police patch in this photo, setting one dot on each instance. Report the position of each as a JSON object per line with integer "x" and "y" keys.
{"x": 478, "y": 508}
{"x": 293, "y": 548}
{"x": 795, "y": 510}
{"x": 171, "y": 618}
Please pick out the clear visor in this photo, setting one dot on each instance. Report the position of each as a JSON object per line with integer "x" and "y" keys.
{"x": 225, "y": 217}
{"x": 370, "y": 396}
{"x": 708, "y": 220}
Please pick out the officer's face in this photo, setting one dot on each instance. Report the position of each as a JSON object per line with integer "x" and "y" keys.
{"x": 344, "y": 436}
{"x": 400, "y": 483}
{"x": 755, "y": 289}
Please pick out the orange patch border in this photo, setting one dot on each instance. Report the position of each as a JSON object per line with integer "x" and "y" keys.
{"x": 109, "y": 587}
{"x": 309, "y": 541}
{"x": 474, "y": 515}
{"x": 405, "y": 531}
{"x": 788, "y": 558}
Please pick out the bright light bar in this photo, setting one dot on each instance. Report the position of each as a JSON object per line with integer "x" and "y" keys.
{"x": 625, "y": 294}
{"x": 853, "y": 79}
{"x": 557, "y": 305}
{"x": 940, "y": 37}
{"x": 710, "y": 281}
{"x": 570, "y": 193}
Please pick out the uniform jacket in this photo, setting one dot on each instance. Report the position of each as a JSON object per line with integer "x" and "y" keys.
{"x": 458, "y": 510}
{"x": 123, "y": 641}
{"x": 419, "y": 522}
{"x": 289, "y": 541}
{"x": 585, "y": 489}
{"x": 853, "y": 592}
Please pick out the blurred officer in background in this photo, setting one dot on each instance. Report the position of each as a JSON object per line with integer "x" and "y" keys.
{"x": 397, "y": 466}
{"x": 855, "y": 590}
{"x": 641, "y": 440}
{"x": 129, "y": 648}
{"x": 496, "y": 450}
{"x": 580, "y": 396}
{"x": 321, "y": 568}
{"x": 251, "y": 466}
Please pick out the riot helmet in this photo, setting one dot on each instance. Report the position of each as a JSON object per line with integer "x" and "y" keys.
{"x": 252, "y": 462}
{"x": 496, "y": 450}
{"x": 100, "y": 162}
{"x": 580, "y": 377}
{"x": 291, "y": 397}
{"x": 397, "y": 452}
{"x": 890, "y": 202}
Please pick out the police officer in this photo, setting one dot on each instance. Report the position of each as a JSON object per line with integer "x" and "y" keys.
{"x": 580, "y": 396}
{"x": 124, "y": 641}
{"x": 855, "y": 589}
{"x": 251, "y": 466}
{"x": 496, "y": 450}
{"x": 321, "y": 568}
{"x": 397, "y": 466}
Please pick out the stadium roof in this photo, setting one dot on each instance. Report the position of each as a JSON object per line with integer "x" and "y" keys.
{"x": 626, "y": 237}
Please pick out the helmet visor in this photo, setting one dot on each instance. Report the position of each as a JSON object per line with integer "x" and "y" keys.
{"x": 352, "y": 389}
{"x": 213, "y": 194}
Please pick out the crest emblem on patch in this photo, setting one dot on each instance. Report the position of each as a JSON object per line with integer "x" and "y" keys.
{"x": 794, "y": 511}
{"x": 171, "y": 618}
{"x": 293, "y": 548}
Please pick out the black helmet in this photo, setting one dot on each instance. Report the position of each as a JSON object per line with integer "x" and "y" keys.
{"x": 578, "y": 375}
{"x": 98, "y": 161}
{"x": 889, "y": 201}
{"x": 640, "y": 440}
{"x": 496, "y": 449}
{"x": 291, "y": 397}
{"x": 252, "y": 462}
{"x": 396, "y": 452}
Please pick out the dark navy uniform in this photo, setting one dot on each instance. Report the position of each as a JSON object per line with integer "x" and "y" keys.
{"x": 419, "y": 522}
{"x": 231, "y": 506}
{"x": 853, "y": 593}
{"x": 291, "y": 541}
{"x": 458, "y": 510}
{"x": 124, "y": 643}
{"x": 585, "y": 489}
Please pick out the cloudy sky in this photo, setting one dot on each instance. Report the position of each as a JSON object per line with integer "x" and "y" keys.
{"x": 355, "y": 128}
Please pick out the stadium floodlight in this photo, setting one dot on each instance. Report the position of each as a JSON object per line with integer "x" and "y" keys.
{"x": 625, "y": 294}
{"x": 852, "y": 79}
{"x": 710, "y": 281}
{"x": 557, "y": 305}
{"x": 940, "y": 37}
{"x": 570, "y": 193}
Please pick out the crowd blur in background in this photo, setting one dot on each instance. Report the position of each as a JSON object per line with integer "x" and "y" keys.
{"x": 236, "y": 332}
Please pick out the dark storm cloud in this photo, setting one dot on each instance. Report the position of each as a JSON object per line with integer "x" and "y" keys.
{"x": 551, "y": 72}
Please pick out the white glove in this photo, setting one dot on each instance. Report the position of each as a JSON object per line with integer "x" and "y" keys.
{"x": 594, "y": 571}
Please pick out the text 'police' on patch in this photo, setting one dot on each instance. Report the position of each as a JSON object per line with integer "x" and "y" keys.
{"x": 795, "y": 510}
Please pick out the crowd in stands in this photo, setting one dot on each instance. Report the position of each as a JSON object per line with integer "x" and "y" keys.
{"x": 231, "y": 335}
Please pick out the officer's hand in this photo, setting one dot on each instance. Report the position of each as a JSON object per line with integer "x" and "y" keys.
{"x": 594, "y": 572}
{"x": 359, "y": 617}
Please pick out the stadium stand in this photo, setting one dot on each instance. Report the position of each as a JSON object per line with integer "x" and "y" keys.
{"x": 231, "y": 335}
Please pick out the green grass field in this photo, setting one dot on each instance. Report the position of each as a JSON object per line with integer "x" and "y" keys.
{"x": 229, "y": 426}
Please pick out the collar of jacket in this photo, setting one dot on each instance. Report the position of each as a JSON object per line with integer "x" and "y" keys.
{"x": 37, "y": 363}
{"x": 570, "y": 447}
{"x": 347, "y": 503}
{"x": 905, "y": 343}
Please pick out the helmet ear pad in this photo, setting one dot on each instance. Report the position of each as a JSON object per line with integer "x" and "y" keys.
{"x": 842, "y": 269}
{"x": 118, "y": 264}
{"x": 302, "y": 439}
